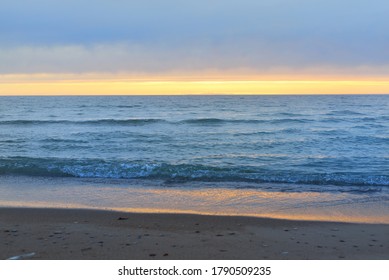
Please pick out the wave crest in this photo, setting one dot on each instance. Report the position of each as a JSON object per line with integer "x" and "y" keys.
{"x": 95, "y": 168}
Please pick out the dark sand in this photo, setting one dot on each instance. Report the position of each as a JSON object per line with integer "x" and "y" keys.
{"x": 90, "y": 234}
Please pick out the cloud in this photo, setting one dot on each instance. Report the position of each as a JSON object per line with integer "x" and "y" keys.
{"x": 156, "y": 60}
{"x": 171, "y": 35}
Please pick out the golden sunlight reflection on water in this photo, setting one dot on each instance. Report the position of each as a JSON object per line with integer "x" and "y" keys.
{"x": 317, "y": 206}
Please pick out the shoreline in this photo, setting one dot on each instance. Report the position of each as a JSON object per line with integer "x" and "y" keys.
{"x": 55, "y": 233}
{"x": 226, "y": 198}
{"x": 173, "y": 212}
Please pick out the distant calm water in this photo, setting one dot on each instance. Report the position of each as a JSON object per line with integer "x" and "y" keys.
{"x": 281, "y": 143}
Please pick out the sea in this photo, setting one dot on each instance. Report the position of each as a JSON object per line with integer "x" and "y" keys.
{"x": 225, "y": 154}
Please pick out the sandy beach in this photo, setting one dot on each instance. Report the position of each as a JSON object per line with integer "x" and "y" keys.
{"x": 93, "y": 234}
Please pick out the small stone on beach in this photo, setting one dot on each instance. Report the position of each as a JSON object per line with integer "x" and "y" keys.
{"x": 86, "y": 249}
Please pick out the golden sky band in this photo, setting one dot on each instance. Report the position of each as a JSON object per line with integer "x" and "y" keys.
{"x": 123, "y": 87}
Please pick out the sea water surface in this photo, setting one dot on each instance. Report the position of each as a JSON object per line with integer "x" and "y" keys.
{"x": 334, "y": 145}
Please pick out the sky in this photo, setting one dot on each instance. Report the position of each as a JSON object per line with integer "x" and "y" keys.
{"x": 203, "y": 46}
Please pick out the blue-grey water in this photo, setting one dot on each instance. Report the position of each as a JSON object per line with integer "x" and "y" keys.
{"x": 284, "y": 143}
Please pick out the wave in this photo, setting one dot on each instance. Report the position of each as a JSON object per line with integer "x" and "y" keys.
{"x": 207, "y": 121}
{"x": 288, "y": 114}
{"x": 95, "y": 122}
{"x": 114, "y": 169}
{"x": 63, "y": 141}
{"x": 13, "y": 141}
{"x": 210, "y": 121}
{"x": 344, "y": 113}
{"x": 146, "y": 121}
{"x": 129, "y": 106}
{"x": 290, "y": 120}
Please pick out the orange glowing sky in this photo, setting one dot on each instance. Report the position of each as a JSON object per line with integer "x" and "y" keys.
{"x": 118, "y": 85}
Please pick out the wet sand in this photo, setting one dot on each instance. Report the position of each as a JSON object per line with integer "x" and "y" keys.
{"x": 93, "y": 234}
